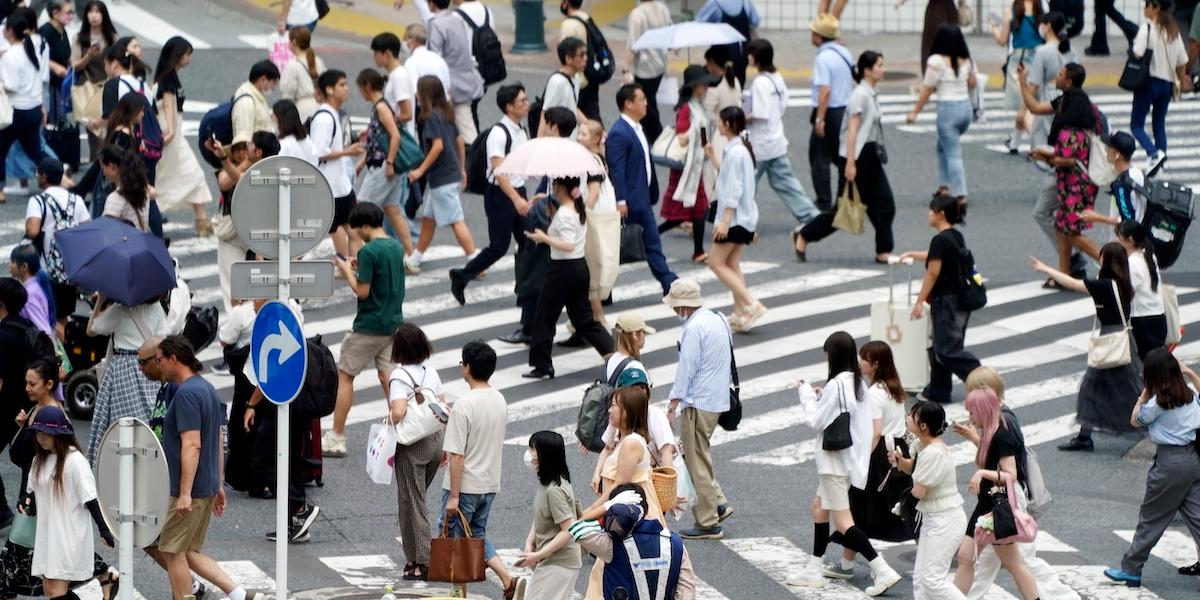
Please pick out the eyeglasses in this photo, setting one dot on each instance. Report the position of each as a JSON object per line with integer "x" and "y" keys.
{"x": 145, "y": 361}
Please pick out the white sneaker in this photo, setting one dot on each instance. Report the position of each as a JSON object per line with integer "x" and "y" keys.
{"x": 410, "y": 267}
{"x": 885, "y": 578}
{"x": 333, "y": 445}
{"x": 1155, "y": 163}
{"x": 812, "y": 575}
{"x": 18, "y": 190}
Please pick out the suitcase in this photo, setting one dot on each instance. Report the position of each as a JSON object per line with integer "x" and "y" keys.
{"x": 908, "y": 338}
{"x": 312, "y": 470}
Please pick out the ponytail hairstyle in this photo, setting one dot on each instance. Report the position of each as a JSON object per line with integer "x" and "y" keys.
{"x": 168, "y": 60}
{"x": 717, "y": 55}
{"x": 1058, "y": 24}
{"x": 119, "y": 52}
{"x": 132, "y": 182}
{"x": 19, "y": 26}
{"x": 1136, "y": 234}
{"x": 931, "y": 415}
{"x": 953, "y": 209}
{"x": 369, "y": 79}
{"x": 735, "y": 120}
{"x": 866, "y": 60}
{"x": 571, "y": 185}
{"x": 302, "y": 38}
{"x": 47, "y": 370}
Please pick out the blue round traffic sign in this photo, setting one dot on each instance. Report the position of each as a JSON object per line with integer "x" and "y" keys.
{"x": 277, "y": 348}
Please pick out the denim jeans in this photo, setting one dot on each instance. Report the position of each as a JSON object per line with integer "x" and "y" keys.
{"x": 783, "y": 181}
{"x": 476, "y": 508}
{"x": 947, "y": 356}
{"x": 1156, "y": 96}
{"x": 953, "y": 120}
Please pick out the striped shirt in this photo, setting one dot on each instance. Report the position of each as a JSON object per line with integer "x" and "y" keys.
{"x": 705, "y": 352}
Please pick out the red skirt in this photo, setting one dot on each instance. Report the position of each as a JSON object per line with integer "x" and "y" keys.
{"x": 674, "y": 210}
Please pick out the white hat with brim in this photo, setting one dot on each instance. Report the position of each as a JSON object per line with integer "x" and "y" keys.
{"x": 685, "y": 293}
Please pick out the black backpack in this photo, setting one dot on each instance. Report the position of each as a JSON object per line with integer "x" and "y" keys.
{"x": 477, "y": 159}
{"x": 38, "y": 345}
{"x": 593, "y": 411}
{"x": 972, "y": 294}
{"x": 319, "y": 394}
{"x": 217, "y": 124}
{"x": 485, "y": 46}
{"x": 601, "y": 66}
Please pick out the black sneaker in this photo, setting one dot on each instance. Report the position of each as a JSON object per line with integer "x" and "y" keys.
{"x": 302, "y": 521}
{"x": 221, "y": 369}
{"x": 295, "y": 540}
{"x": 1077, "y": 444}
{"x": 1089, "y": 51}
{"x": 201, "y": 591}
{"x": 698, "y": 533}
{"x": 458, "y": 286}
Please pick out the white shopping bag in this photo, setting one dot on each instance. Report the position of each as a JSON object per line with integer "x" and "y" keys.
{"x": 683, "y": 485}
{"x": 381, "y": 453}
{"x": 279, "y": 50}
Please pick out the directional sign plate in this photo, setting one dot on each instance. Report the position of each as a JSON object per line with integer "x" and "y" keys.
{"x": 259, "y": 279}
{"x": 255, "y": 206}
{"x": 151, "y": 483}
{"x": 278, "y": 350}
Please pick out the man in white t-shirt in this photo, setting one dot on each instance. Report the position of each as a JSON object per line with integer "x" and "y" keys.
{"x": 421, "y": 61}
{"x": 767, "y": 101}
{"x": 562, "y": 88}
{"x": 298, "y": 13}
{"x": 42, "y": 214}
{"x": 325, "y": 131}
{"x": 474, "y": 444}
{"x": 399, "y": 89}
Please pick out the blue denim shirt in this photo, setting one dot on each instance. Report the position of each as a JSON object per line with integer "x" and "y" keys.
{"x": 735, "y": 186}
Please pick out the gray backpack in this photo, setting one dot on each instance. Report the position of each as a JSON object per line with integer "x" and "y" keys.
{"x": 593, "y": 413}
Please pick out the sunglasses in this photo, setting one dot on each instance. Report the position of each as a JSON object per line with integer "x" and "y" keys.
{"x": 145, "y": 361}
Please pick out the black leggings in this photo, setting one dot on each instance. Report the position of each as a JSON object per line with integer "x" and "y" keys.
{"x": 697, "y": 233}
{"x": 26, "y": 129}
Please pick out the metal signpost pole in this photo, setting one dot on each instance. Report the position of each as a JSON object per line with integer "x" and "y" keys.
{"x": 283, "y": 424}
{"x": 125, "y": 503}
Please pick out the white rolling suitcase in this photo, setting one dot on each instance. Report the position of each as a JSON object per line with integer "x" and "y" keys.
{"x": 891, "y": 322}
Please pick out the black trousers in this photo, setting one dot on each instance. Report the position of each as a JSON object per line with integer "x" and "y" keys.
{"x": 822, "y": 153}
{"x": 26, "y": 129}
{"x": 876, "y": 193}
{"x": 266, "y": 426}
{"x": 1107, "y": 9}
{"x": 566, "y": 286}
{"x": 504, "y": 222}
{"x": 589, "y": 101}
{"x": 651, "y": 123}
{"x": 1148, "y": 333}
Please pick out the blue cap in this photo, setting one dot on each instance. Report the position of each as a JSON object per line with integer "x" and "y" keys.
{"x": 620, "y": 520}
{"x": 53, "y": 421}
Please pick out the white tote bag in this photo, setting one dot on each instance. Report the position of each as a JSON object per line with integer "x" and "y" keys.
{"x": 6, "y": 110}
{"x": 381, "y": 452}
{"x": 1110, "y": 350}
{"x": 425, "y": 415}
{"x": 1171, "y": 305}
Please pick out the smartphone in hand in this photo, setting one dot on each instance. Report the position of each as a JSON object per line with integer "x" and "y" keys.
{"x": 703, "y": 137}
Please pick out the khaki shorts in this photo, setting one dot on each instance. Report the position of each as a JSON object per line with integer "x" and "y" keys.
{"x": 359, "y": 348}
{"x": 186, "y": 532}
{"x": 834, "y": 492}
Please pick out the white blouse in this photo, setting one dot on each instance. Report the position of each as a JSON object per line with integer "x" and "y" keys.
{"x": 951, "y": 86}
{"x": 819, "y": 412}
{"x": 566, "y": 226}
{"x": 935, "y": 471}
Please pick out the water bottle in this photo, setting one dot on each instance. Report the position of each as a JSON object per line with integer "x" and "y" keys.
{"x": 387, "y": 594}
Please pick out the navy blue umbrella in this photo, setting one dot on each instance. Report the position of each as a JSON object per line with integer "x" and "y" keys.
{"x": 117, "y": 260}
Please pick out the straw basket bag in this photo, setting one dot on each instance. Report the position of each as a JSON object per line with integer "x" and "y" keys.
{"x": 664, "y": 486}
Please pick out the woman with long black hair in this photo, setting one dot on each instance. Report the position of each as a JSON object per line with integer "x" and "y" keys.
{"x": 130, "y": 200}
{"x": 566, "y": 237}
{"x": 87, "y": 58}
{"x": 1170, "y": 413}
{"x": 293, "y": 135}
{"x": 126, "y": 73}
{"x": 549, "y": 549}
{"x": 839, "y": 470}
{"x": 1164, "y": 41}
{"x": 182, "y": 180}
{"x": 940, "y": 289}
{"x": 950, "y": 72}
{"x": 1105, "y": 395}
{"x": 20, "y": 73}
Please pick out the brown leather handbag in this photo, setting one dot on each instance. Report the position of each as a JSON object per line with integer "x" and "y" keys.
{"x": 456, "y": 560}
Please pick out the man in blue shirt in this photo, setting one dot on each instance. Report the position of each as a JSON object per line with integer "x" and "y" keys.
{"x": 832, "y": 83}
{"x": 702, "y": 381}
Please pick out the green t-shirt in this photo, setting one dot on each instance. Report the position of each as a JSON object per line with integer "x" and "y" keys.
{"x": 381, "y": 264}
{"x": 555, "y": 504}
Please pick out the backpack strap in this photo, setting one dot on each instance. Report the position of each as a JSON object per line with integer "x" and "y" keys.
{"x": 471, "y": 23}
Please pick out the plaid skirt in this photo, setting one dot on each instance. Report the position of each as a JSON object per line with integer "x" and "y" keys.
{"x": 15, "y": 579}
{"x": 124, "y": 392}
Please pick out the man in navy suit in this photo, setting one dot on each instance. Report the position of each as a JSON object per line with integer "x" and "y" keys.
{"x": 633, "y": 177}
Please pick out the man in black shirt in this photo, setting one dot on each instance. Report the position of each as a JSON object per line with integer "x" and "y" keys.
{"x": 12, "y": 370}
{"x": 54, "y": 33}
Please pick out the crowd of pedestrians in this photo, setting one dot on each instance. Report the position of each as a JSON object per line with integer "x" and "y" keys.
{"x": 884, "y": 469}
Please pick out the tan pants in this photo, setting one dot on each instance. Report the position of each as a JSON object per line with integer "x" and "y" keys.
{"x": 695, "y": 433}
{"x": 465, "y": 121}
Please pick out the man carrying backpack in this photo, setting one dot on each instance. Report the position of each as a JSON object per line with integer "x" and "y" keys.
{"x": 248, "y": 117}
{"x": 631, "y": 547}
{"x": 47, "y": 213}
{"x": 576, "y": 25}
{"x": 14, "y": 330}
{"x": 562, "y": 87}
{"x": 450, "y": 36}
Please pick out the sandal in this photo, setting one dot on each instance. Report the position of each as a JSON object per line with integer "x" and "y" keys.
{"x": 1192, "y": 569}
{"x": 700, "y": 258}
{"x": 111, "y": 585}
{"x": 408, "y": 569}
{"x": 419, "y": 573}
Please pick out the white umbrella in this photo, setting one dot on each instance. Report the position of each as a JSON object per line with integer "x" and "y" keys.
{"x": 690, "y": 34}
{"x": 550, "y": 157}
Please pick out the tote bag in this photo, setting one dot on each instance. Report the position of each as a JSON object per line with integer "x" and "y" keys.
{"x": 667, "y": 151}
{"x": 1136, "y": 73}
{"x": 1009, "y": 523}
{"x": 425, "y": 415}
{"x": 851, "y": 212}
{"x": 1171, "y": 305}
{"x": 381, "y": 452}
{"x": 456, "y": 560}
{"x": 1109, "y": 350}
{"x": 837, "y": 434}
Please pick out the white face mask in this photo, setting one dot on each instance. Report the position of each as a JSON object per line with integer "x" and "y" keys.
{"x": 528, "y": 458}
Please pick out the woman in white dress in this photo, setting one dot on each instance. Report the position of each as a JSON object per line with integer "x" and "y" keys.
{"x": 64, "y": 491}
{"x": 181, "y": 180}
{"x": 296, "y": 80}
{"x": 602, "y": 249}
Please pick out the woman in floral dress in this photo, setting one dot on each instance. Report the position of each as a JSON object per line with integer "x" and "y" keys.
{"x": 1074, "y": 120}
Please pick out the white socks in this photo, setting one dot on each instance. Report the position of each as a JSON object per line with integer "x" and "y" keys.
{"x": 847, "y": 564}
{"x": 415, "y": 258}
{"x": 237, "y": 594}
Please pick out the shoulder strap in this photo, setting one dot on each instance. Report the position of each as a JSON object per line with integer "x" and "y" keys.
{"x": 839, "y": 54}
{"x": 139, "y": 323}
{"x": 1120, "y": 302}
{"x": 612, "y": 381}
{"x": 464, "y": 16}
{"x": 507, "y": 138}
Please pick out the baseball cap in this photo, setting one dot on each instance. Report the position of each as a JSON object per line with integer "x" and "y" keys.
{"x": 632, "y": 376}
{"x": 1122, "y": 142}
{"x": 632, "y": 322}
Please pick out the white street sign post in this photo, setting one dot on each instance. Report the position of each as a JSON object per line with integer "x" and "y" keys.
{"x": 304, "y": 211}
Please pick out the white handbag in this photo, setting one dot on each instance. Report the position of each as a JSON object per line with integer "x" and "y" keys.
{"x": 667, "y": 151}
{"x": 6, "y": 110}
{"x": 1171, "y": 308}
{"x": 1109, "y": 350}
{"x": 1099, "y": 171}
{"x": 425, "y": 416}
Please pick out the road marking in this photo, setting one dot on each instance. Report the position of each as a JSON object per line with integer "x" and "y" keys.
{"x": 1175, "y": 546}
{"x": 1091, "y": 584}
{"x": 149, "y": 27}
{"x": 374, "y": 571}
{"x": 777, "y": 558}
{"x": 246, "y": 574}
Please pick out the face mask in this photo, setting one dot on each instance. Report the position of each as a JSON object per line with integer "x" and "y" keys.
{"x": 528, "y": 458}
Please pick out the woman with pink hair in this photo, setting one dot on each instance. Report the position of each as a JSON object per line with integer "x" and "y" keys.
{"x": 1001, "y": 449}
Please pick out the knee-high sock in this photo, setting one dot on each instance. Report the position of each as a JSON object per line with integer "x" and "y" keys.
{"x": 820, "y": 538}
{"x": 857, "y": 541}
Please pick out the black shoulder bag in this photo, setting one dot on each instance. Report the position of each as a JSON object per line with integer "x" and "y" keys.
{"x": 837, "y": 434}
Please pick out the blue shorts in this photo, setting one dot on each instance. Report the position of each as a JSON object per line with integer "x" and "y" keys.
{"x": 377, "y": 189}
{"x": 443, "y": 205}
{"x": 476, "y": 508}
